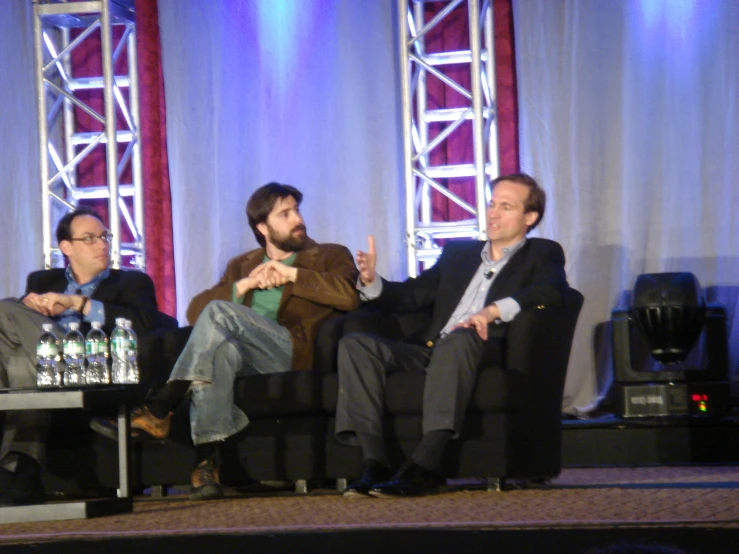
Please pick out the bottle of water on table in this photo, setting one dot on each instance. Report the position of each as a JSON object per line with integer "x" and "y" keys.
{"x": 96, "y": 349}
{"x": 132, "y": 354}
{"x": 74, "y": 356}
{"x": 47, "y": 356}
{"x": 118, "y": 348}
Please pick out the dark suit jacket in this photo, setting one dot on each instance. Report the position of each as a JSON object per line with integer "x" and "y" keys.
{"x": 534, "y": 277}
{"x": 325, "y": 287}
{"x": 127, "y": 294}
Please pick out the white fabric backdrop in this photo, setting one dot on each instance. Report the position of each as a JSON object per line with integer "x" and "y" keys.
{"x": 20, "y": 191}
{"x": 299, "y": 92}
{"x": 629, "y": 115}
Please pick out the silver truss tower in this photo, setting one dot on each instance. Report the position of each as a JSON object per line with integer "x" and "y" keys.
{"x": 423, "y": 181}
{"x": 61, "y": 146}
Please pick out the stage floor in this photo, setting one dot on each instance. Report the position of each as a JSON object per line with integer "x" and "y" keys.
{"x": 623, "y": 498}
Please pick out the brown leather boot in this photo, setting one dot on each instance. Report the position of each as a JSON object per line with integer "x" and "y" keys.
{"x": 205, "y": 483}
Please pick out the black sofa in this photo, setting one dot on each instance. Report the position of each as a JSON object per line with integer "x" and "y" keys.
{"x": 512, "y": 429}
{"x": 285, "y": 440}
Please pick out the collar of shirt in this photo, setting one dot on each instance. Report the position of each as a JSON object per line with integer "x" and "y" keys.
{"x": 86, "y": 288}
{"x": 488, "y": 261}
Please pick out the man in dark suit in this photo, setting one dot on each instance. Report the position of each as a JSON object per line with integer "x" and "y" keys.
{"x": 471, "y": 292}
{"x": 86, "y": 291}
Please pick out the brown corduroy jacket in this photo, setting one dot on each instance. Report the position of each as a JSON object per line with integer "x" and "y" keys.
{"x": 325, "y": 286}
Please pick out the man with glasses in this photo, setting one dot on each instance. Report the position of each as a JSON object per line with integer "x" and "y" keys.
{"x": 86, "y": 291}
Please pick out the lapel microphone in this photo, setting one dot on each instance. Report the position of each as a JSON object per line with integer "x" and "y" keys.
{"x": 489, "y": 273}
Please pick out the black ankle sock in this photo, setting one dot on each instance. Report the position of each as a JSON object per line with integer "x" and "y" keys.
{"x": 167, "y": 399}
{"x": 206, "y": 451}
{"x": 428, "y": 453}
{"x": 373, "y": 448}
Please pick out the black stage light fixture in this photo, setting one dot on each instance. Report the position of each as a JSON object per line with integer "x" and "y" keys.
{"x": 668, "y": 309}
{"x": 670, "y": 353}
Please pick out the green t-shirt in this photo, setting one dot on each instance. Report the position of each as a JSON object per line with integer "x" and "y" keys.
{"x": 267, "y": 302}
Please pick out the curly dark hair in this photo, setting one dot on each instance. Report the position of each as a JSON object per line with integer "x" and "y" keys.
{"x": 263, "y": 200}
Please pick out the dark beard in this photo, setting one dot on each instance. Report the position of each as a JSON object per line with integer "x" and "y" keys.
{"x": 291, "y": 243}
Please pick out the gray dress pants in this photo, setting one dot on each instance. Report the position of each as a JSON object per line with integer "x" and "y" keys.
{"x": 20, "y": 327}
{"x": 451, "y": 365}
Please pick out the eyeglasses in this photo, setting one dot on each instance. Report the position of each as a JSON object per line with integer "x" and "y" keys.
{"x": 92, "y": 239}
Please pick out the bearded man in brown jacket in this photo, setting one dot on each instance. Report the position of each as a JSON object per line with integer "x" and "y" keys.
{"x": 262, "y": 317}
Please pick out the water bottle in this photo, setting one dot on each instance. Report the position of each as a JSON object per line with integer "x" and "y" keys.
{"x": 74, "y": 356}
{"x": 96, "y": 349}
{"x": 132, "y": 353}
{"x": 47, "y": 356}
{"x": 118, "y": 346}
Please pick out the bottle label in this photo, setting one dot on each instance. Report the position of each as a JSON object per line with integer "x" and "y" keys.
{"x": 119, "y": 345}
{"x": 73, "y": 349}
{"x": 47, "y": 350}
{"x": 95, "y": 348}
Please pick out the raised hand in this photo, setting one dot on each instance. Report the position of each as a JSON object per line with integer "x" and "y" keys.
{"x": 366, "y": 262}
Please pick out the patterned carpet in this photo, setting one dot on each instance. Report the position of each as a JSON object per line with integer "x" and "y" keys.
{"x": 579, "y": 498}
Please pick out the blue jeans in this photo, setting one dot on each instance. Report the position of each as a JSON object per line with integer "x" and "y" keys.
{"x": 228, "y": 340}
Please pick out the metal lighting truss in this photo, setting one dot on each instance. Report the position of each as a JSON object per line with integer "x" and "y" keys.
{"x": 423, "y": 181}
{"x": 61, "y": 146}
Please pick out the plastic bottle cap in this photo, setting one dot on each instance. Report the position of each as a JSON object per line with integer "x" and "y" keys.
{"x": 97, "y": 325}
{"x": 74, "y": 326}
{"x": 48, "y": 327}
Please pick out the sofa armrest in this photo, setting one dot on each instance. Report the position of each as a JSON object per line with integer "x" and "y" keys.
{"x": 363, "y": 320}
{"x": 538, "y": 344}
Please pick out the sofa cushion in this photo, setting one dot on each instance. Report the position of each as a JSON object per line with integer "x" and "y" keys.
{"x": 497, "y": 390}
{"x": 279, "y": 394}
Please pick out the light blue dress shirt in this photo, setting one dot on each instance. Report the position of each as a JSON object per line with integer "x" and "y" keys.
{"x": 97, "y": 309}
{"x": 473, "y": 299}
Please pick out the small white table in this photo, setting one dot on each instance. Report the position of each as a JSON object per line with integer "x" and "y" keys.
{"x": 77, "y": 398}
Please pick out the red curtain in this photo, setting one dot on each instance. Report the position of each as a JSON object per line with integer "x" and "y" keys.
{"x": 157, "y": 198}
{"x": 451, "y": 34}
{"x": 505, "y": 86}
{"x": 87, "y": 61}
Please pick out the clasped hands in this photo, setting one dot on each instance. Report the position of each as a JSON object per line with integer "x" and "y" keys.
{"x": 479, "y": 321}
{"x": 52, "y": 304}
{"x": 266, "y": 276}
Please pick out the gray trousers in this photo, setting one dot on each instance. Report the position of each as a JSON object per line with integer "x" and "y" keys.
{"x": 20, "y": 327}
{"x": 364, "y": 361}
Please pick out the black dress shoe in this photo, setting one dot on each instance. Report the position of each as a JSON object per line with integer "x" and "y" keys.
{"x": 373, "y": 473}
{"x": 25, "y": 486}
{"x": 410, "y": 480}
